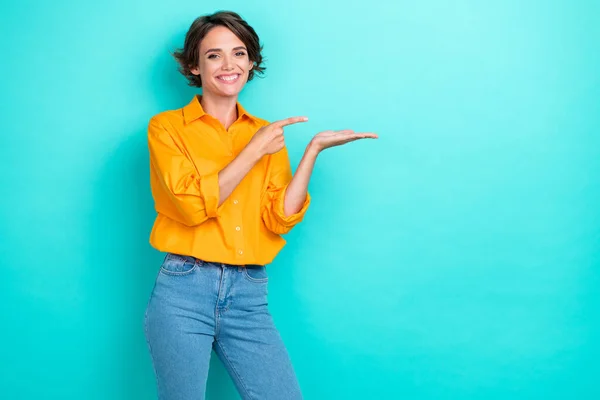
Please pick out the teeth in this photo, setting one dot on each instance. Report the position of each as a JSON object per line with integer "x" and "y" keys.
{"x": 229, "y": 78}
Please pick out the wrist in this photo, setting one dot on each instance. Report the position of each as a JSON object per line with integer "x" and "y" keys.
{"x": 313, "y": 149}
{"x": 253, "y": 152}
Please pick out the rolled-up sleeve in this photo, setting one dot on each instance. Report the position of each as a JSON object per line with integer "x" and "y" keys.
{"x": 179, "y": 191}
{"x": 273, "y": 214}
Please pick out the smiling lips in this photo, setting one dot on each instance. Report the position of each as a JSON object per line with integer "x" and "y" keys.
{"x": 229, "y": 79}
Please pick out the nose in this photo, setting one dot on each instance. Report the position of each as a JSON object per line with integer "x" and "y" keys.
{"x": 227, "y": 64}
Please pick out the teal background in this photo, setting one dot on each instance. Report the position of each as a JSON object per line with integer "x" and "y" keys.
{"x": 457, "y": 257}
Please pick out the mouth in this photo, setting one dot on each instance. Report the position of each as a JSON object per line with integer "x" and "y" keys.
{"x": 228, "y": 79}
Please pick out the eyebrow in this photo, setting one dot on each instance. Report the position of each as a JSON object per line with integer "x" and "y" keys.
{"x": 235, "y": 48}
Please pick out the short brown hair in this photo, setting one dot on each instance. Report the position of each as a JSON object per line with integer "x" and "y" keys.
{"x": 189, "y": 57}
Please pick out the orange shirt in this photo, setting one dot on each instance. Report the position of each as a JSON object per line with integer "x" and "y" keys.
{"x": 187, "y": 149}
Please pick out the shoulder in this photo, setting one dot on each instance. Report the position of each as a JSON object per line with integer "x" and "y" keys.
{"x": 166, "y": 121}
{"x": 169, "y": 117}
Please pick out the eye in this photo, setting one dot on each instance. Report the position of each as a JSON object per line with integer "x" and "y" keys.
{"x": 212, "y": 56}
{"x": 240, "y": 53}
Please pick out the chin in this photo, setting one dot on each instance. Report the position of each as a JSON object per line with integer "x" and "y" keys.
{"x": 231, "y": 92}
{"x": 226, "y": 91}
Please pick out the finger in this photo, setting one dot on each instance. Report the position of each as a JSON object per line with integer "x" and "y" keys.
{"x": 351, "y": 139}
{"x": 364, "y": 135}
{"x": 361, "y": 134}
{"x": 368, "y": 135}
{"x": 289, "y": 121}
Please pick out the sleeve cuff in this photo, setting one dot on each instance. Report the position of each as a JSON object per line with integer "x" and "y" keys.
{"x": 292, "y": 219}
{"x": 209, "y": 189}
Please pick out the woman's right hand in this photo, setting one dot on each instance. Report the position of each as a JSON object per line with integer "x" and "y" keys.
{"x": 269, "y": 139}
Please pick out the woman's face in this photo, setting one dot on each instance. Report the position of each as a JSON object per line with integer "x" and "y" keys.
{"x": 224, "y": 64}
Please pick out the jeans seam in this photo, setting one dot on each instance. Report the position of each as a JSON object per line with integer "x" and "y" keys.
{"x": 234, "y": 370}
{"x": 217, "y": 304}
{"x": 178, "y": 273}
{"x": 171, "y": 273}
{"x": 249, "y": 278}
{"x": 151, "y": 352}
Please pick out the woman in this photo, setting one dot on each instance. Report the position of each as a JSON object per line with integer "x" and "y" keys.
{"x": 224, "y": 194}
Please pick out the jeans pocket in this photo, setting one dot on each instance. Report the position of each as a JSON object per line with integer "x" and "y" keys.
{"x": 178, "y": 265}
{"x": 256, "y": 273}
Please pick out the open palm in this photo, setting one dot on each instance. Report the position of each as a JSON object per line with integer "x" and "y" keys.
{"x": 327, "y": 139}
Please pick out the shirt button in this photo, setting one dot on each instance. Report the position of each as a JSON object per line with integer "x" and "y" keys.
{"x": 240, "y": 252}
{"x": 235, "y": 202}
{"x": 237, "y": 228}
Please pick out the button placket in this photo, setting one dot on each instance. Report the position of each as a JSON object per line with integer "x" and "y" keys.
{"x": 239, "y": 237}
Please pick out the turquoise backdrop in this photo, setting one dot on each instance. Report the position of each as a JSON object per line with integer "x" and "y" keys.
{"x": 457, "y": 257}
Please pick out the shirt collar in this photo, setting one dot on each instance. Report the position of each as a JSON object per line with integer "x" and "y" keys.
{"x": 194, "y": 111}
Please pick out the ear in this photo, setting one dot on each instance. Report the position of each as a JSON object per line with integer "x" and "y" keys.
{"x": 195, "y": 71}
{"x": 251, "y": 65}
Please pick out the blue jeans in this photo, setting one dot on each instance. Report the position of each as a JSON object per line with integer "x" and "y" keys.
{"x": 199, "y": 306}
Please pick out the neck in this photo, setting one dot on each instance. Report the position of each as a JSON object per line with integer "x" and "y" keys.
{"x": 222, "y": 108}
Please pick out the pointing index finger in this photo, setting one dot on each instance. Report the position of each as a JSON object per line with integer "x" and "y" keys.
{"x": 289, "y": 121}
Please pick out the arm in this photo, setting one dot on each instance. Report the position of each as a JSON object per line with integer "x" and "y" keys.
{"x": 296, "y": 193}
{"x": 276, "y": 219}
{"x": 179, "y": 191}
{"x": 231, "y": 176}
{"x": 186, "y": 197}
{"x": 267, "y": 140}
{"x": 297, "y": 190}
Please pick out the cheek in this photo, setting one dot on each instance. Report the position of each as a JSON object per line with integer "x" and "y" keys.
{"x": 209, "y": 63}
{"x": 205, "y": 67}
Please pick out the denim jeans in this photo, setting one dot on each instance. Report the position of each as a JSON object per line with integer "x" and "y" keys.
{"x": 199, "y": 306}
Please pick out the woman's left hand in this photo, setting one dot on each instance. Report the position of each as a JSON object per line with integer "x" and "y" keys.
{"x": 327, "y": 139}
